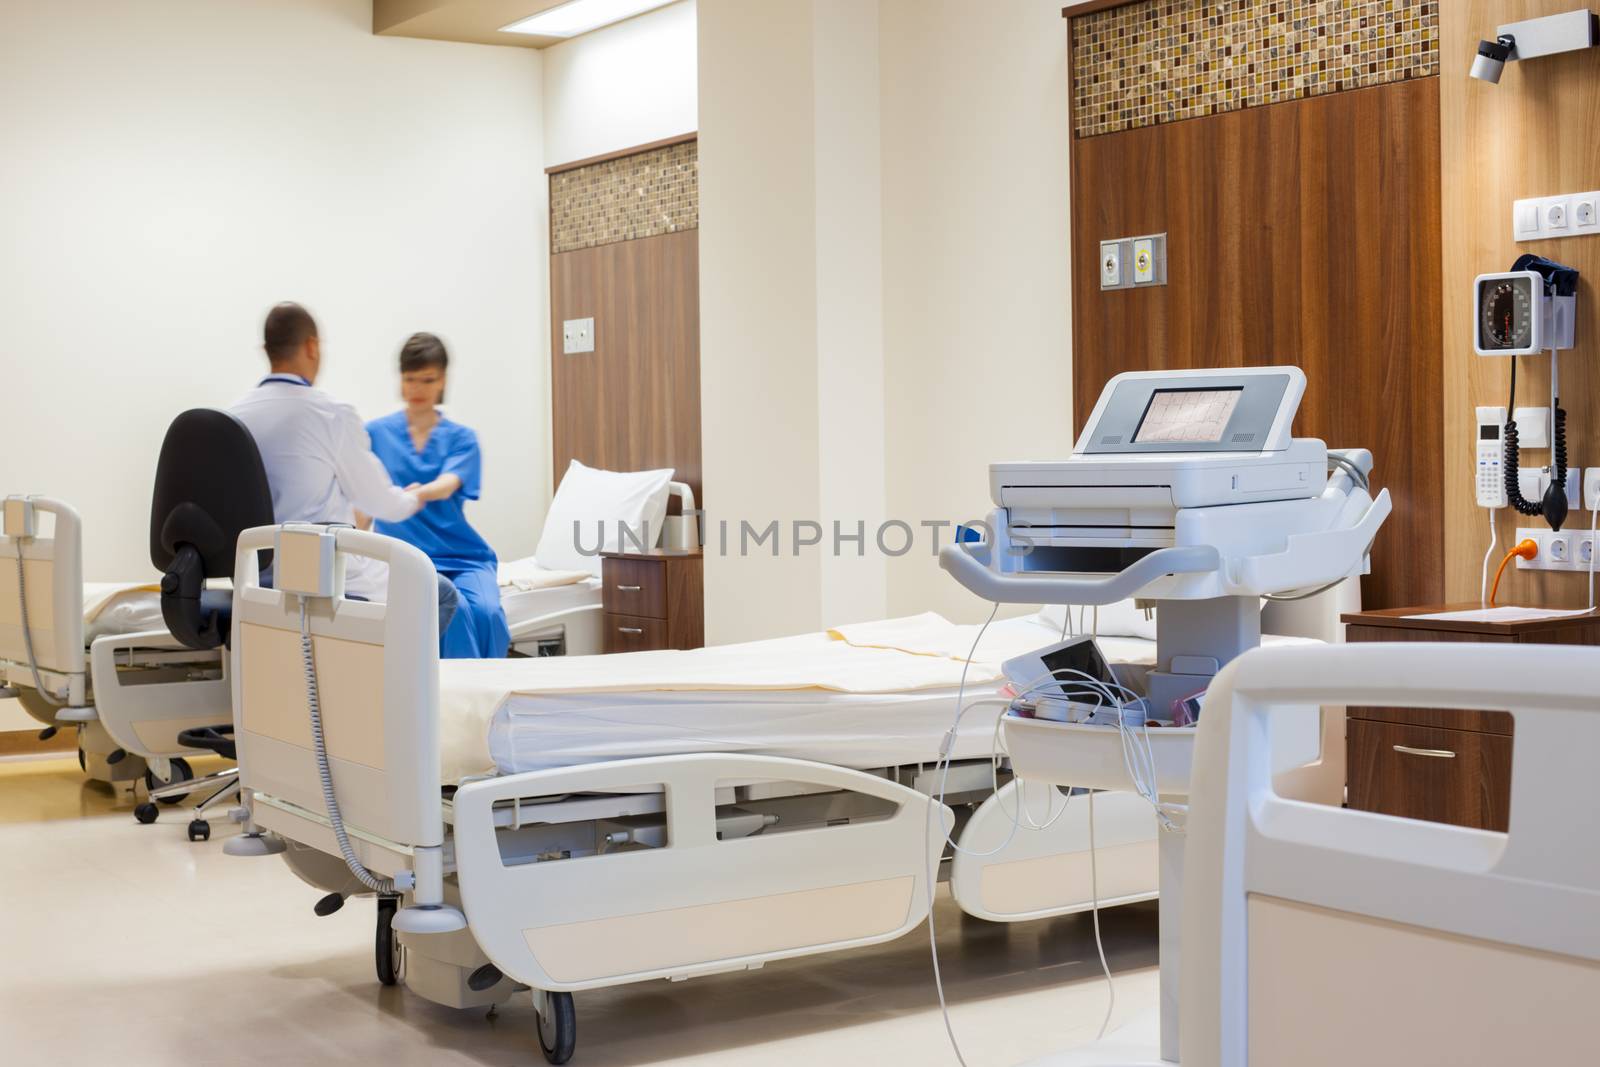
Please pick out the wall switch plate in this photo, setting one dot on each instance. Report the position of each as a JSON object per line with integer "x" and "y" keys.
{"x": 577, "y": 335}
{"x": 1591, "y": 489}
{"x": 1110, "y": 264}
{"x": 1533, "y": 427}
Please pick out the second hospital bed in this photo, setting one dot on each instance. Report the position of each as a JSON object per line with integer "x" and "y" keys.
{"x": 561, "y": 825}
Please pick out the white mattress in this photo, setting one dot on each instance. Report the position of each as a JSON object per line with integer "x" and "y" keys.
{"x": 524, "y": 605}
{"x": 860, "y": 730}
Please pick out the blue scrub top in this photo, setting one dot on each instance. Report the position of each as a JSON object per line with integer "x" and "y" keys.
{"x": 440, "y": 529}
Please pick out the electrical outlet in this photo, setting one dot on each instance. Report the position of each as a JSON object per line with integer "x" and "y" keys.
{"x": 1586, "y": 213}
{"x": 577, "y": 335}
{"x": 1555, "y": 216}
{"x": 1585, "y": 554}
{"x": 1558, "y": 549}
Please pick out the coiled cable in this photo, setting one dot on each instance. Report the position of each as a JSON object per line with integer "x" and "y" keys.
{"x": 325, "y": 772}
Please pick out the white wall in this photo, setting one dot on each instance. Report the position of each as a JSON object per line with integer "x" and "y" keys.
{"x": 758, "y": 323}
{"x": 174, "y": 167}
{"x": 621, "y": 86}
{"x": 884, "y": 284}
{"x": 976, "y": 262}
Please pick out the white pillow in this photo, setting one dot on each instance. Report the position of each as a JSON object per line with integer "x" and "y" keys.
{"x": 590, "y": 509}
{"x": 1121, "y": 619}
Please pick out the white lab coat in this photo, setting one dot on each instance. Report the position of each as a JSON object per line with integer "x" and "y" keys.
{"x": 320, "y": 466}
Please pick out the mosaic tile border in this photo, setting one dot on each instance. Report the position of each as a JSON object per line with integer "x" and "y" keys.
{"x": 1166, "y": 60}
{"x": 642, "y": 195}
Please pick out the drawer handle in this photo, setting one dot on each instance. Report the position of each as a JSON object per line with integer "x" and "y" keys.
{"x": 637, "y": 630}
{"x": 628, "y": 588}
{"x": 1436, "y": 753}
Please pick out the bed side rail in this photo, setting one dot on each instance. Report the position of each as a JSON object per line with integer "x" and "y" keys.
{"x": 695, "y": 903}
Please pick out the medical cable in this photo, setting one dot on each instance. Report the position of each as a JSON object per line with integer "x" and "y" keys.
{"x": 27, "y": 632}
{"x": 1483, "y": 580}
{"x": 932, "y": 860}
{"x": 1357, "y": 475}
{"x": 325, "y": 772}
{"x": 1099, "y": 945}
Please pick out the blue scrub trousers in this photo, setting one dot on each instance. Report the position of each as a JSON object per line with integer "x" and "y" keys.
{"x": 478, "y": 630}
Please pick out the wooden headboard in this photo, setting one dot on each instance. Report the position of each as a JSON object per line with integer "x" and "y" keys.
{"x": 625, "y": 251}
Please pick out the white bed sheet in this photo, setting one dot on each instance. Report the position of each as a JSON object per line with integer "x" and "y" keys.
{"x": 524, "y": 605}
{"x": 860, "y": 730}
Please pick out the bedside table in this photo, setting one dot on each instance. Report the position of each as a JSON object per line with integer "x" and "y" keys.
{"x": 653, "y": 600}
{"x": 1441, "y": 765}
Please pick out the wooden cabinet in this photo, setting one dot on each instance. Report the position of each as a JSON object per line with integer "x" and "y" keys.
{"x": 653, "y": 600}
{"x": 1441, "y": 765}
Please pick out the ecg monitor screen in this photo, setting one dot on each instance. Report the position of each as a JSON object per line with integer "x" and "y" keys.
{"x": 1199, "y": 415}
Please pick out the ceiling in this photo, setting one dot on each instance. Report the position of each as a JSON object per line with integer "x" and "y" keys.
{"x": 476, "y": 21}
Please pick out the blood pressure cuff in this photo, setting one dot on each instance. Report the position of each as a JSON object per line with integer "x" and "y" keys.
{"x": 1559, "y": 279}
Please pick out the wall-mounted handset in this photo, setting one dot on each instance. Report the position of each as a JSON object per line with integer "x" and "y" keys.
{"x": 1491, "y": 475}
{"x": 1529, "y": 309}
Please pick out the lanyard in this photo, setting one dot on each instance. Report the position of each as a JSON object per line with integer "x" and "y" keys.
{"x": 287, "y": 379}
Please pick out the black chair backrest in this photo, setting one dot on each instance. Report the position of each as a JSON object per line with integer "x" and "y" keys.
{"x": 210, "y": 487}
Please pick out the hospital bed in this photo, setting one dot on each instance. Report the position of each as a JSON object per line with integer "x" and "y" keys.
{"x": 46, "y": 661}
{"x": 555, "y": 612}
{"x": 567, "y": 838}
{"x": 1319, "y": 936}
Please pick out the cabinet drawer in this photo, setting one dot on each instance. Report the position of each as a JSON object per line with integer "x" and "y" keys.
{"x": 635, "y": 587}
{"x": 1450, "y": 776}
{"x": 633, "y": 633}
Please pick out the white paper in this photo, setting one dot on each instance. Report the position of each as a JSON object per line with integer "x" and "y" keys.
{"x": 1501, "y": 615}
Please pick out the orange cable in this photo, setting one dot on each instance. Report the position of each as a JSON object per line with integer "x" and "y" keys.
{"x": 1527, "y": 548}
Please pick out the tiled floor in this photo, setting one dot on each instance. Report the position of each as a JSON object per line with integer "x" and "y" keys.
{"x": 126, "y": 944}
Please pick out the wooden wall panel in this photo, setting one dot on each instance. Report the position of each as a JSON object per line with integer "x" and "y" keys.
{"x": 634, "y": 402}
{"x": 1537, "y": 133}
{"x": 1304, "y": 233}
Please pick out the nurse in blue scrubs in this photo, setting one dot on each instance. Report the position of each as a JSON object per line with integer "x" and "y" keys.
{"x": 439, "y": 458}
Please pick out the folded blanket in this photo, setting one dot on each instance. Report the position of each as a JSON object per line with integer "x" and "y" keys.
{"x": 526, "y": 575}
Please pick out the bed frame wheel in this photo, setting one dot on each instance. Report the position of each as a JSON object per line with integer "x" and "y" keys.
{"x": 386, "y": 946}
{"x": 181, "y": 772}
{"x": 199, "y": 830}
{"x": 558, "y": 1026}
{"x": 146, "y": 813}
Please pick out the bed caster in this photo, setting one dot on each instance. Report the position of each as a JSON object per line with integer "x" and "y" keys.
{"x": 328, "y": 905}
{"x": 50, "y": 731}
{"x": 558, "y": 1025}
{"x": 146, "y": 813}
{"x": 386, "y": 947}
{"x": 180, "y": 772}
{"x": 199, "y": 830}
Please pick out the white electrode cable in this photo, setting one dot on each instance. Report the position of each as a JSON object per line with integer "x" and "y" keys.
{"x": 1099, "y": 945}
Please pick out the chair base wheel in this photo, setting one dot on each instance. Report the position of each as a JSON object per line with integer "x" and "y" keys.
{"x": 146, "y": 813}
{"x": 199, "y": 830}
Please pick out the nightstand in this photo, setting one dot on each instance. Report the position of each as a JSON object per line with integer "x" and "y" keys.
{"x": 653, "y": 600}
{"x": 1441, "y": 765}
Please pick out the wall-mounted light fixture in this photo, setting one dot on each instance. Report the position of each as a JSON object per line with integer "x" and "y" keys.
{"x": 581, "y": 16}
{"x": 1533, "y": 38}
